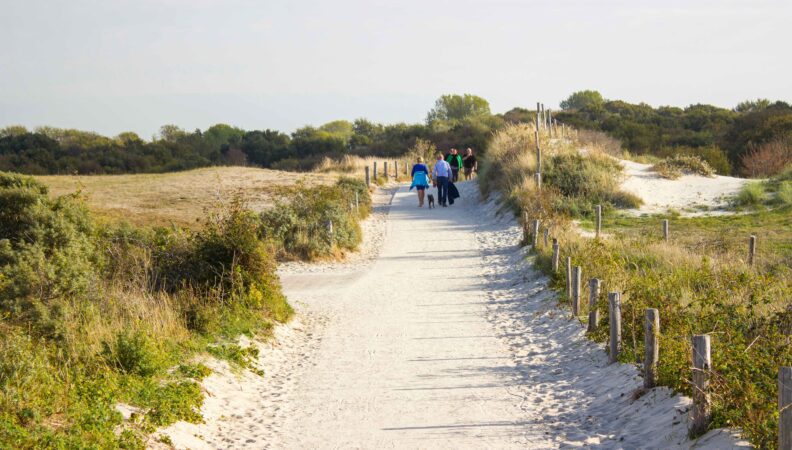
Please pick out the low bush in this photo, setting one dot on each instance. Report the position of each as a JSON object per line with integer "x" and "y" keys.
{"x": 94, "y": 315}
{"x": 300, "y": 229}
{"x": 751, "y": 194}
{"x": 678, "y": 165}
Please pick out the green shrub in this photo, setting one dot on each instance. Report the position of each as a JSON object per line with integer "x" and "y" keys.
{"x": 752, "y": 194}
{"x": 784, "y": 193}
{"x": 299, "y": 226}
{"x": 675, "y": 166}
{"x": 134, "y": 352}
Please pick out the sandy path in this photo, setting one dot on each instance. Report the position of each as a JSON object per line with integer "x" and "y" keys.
{"x": 449, "y": 339}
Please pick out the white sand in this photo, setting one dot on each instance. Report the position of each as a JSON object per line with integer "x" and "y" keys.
{"x": 685, "y": 194}
{"x": 449, "y": 339}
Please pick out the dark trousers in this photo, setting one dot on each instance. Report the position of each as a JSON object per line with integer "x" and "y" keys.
{"x": 442, "y": 190}
{"x": 454, "y": 174}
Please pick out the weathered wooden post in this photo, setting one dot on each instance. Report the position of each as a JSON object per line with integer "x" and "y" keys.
{"x": 599, "y": 220}
{"x": 549, "y": 123}
{"x": 535, "y": 234}
{"x": 385, "y": 170}
{"x": 538, "y": 152}
{"x": 700, "y": 412}
{"x": 526, "y": 235}
{"x": 556, "y": 255}
{"x": 546, "y": 236}
{"x": 538, "y": 114}
{"x": 651, "y": 346}
{"x": 375, "y": 171}
{"x": 751, "y": 250}
{"x": 543, "y": 116}
{"x": 569, "y": 277}
{"x": 594, "y": 291}
{"x": 368, "y": 177}
{"x": 576, "y": 290}
{"x": 330, "y": 231}
{"x": 665, "y": 230}
{"x": 396, "y": 169}
{"x": 538, "y": 180}
{"x": 785, "y": 408}
{"x": 614, "y": 310}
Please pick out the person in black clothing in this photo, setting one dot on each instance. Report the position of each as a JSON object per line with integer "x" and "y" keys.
{"x": 470, "y": 164}
{"x": 455, "y": 161}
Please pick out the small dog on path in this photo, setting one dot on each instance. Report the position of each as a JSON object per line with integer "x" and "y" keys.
{"x": 431, "y": 201}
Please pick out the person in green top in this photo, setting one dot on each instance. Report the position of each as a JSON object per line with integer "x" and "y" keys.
{"x": 455, "y": 161}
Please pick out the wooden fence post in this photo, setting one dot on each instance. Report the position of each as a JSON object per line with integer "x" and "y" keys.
{"x": 526, "y": 236}
{"x": 396, "y": 169}
{"x": 556, "y": 255}
{"x": 546, "y": 236}
{"x": 576, "y": 290}
{"x": 651, "y": 346}
{"x": 751, "y": 250}
{"x": 665, "y": 230}
{"x": 569, "y": 277}
{"x": 385, "y": 170}
{"x": 785, "y": 408}
{"x": 537, "y": 115}
{"x": 538, "y": 180}
{"x": 368, "y": 177}
{"x": 599, "y": 220}
{"x": 538, "y": 152}
{"x": 535, "y": 234}
{"x": 594, "y": 290}
{"x": 330, "y": 231}
{"x": 375, "y": 171}
{"x": 614, "y": 309}
{"x": 700, "y": 412}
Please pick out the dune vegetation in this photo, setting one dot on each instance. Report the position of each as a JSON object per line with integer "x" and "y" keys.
{"x": 701, "y": 280}
{"x": 94, "y": 315}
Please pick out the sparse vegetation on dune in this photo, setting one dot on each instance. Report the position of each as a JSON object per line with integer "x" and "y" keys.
{"x": 675, "y": 166}
{"x": 96, "y": 314}
{"x": 700, "y": 281}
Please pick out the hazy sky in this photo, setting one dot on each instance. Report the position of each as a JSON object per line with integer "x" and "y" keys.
{"x": 117, "y": 65}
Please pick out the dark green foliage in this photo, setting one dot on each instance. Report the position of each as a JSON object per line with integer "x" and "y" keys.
{"x": 695, "y": 130}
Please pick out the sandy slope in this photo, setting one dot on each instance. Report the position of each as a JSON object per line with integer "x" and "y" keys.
{"x": 448, "y": 340}
{"x": 687, "y": 192}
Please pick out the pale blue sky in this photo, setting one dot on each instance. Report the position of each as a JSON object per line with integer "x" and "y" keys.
{"x": 117, "y": 65}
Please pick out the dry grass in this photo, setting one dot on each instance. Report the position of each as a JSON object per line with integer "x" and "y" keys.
{"x": 179, "y": 198}
{"x": 356, "y": 166}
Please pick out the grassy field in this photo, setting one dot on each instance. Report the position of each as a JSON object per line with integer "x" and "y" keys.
{"x": 179, "y": 198}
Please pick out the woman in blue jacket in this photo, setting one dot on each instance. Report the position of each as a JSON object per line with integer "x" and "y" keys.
{"x": 421, "y": 180}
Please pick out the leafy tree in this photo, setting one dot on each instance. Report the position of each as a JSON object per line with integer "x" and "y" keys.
{"x": 587, "y": 99}
{"x": 458, "y": 107}
{"x": 752, "y": 105}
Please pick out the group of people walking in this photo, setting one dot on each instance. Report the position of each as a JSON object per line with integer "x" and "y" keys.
{"x": 443, "y": 175}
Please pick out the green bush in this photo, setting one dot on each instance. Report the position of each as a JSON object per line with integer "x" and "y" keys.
{"x": 752, "y": 194}
{"x": 135, "y": 353}
{"x": 785, "y": 193}
{"x": 299, "y": 226}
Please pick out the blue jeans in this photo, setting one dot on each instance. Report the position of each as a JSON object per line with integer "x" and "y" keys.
{"x": 442, "y": 190}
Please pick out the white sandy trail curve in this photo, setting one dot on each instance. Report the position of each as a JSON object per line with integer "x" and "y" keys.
{"x": 450, "y": 339}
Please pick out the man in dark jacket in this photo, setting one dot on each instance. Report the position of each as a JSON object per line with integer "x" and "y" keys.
{"x": 455, "y": 161}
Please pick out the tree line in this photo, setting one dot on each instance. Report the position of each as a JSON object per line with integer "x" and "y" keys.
{"x": 754, "y": 138}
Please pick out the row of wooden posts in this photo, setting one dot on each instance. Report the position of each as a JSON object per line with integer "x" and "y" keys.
{"x": 700, "y": 412}
{"x": 369, "y": 171}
